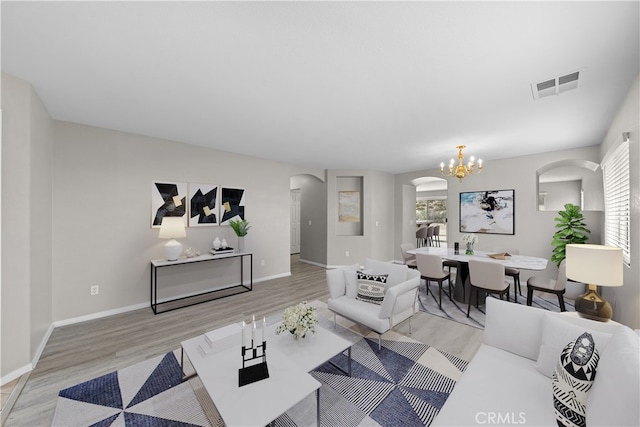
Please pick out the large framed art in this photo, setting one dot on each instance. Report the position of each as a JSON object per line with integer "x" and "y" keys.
{"x": 168, "y": 199}
{"x": 491, "y": 212}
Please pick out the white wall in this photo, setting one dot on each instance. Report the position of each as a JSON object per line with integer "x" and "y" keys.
{"x": 626, "y": 299}
{"x": 101, "y": 210}
{"x": 27, "y": 141}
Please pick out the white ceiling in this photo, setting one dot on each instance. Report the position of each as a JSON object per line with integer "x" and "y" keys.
{"x": 391, "y": 86}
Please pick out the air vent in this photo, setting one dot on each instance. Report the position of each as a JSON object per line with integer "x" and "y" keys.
{"x": 557, "y": 85}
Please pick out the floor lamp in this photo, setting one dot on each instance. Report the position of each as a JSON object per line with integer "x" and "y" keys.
{"x": 597, "y": 265}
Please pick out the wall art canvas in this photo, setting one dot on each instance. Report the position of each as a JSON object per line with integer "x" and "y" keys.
{"x": 168, "y": 199}
{"x": 232, "y": 202}
{"x": 348, "y": 206}
{"x": 203, "y": 205}
{"x": 489, "y": 212}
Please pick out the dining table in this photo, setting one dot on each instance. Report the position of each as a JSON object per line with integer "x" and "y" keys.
{"x": 461, "y": 290}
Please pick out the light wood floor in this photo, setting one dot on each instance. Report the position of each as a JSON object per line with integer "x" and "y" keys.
{"x": 79, "y": 352}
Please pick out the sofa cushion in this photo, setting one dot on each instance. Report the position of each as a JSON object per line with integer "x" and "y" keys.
{"x": 515, "y": 328}
{"x": 572, "y": 379}
{"x": 361, "y": 312}
{"x": 498, "y": 388}
{"x": 397, "y": 272}
{"x": 371, "y": 287}
{"x": 613, "y": 399}
{"x": 556, "y": 333}
{"x": 351, "y": 280}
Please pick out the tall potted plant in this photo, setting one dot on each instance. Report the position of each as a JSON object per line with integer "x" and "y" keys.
{"x": 241, "y": 228}
{"x": 571, "y": 229}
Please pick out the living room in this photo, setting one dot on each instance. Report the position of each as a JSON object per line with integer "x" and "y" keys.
{"x": 83, "y": 188}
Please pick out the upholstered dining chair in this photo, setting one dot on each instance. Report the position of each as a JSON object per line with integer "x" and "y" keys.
{"x": 436, "y": 235}
{"x": 430, "y": 230}
{"x": 553, "y": 286}
{"x": 408, "y": 259}
{"x": 488, "y": 277}
{"x": 512, "y": 272}
{"x": 421, "y": 237}
{"x": 430, "y": 268}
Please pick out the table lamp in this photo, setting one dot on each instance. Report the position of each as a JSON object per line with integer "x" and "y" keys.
{"x": 597, "y": 265}
{"x": 172, "y": 227}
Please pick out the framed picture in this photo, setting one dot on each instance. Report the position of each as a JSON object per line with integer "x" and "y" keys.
{"x": 203, "y": 205}
{"x": 231, "y": 204}
{"x": 168, "y": 199}
{"x": 490, "y": 212}
{"x": 348, "y": 206}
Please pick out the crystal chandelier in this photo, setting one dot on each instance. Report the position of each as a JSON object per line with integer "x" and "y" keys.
{"x": 461, "y": 170}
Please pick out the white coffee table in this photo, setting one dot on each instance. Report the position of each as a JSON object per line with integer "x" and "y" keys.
{"x": 289, "y": 362}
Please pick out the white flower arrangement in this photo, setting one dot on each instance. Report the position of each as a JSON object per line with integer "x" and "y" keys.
{"x": 298, "y": 320}
{"x": 470, "y": 238}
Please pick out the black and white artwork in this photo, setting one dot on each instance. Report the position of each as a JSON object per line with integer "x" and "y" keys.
{"x": 231, "y": 204}
{"x": 203, "y": 205}
{"x": 168, "y": 199}
{"x": 490, "y": 212}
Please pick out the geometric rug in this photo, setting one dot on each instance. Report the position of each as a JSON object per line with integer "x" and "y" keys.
{"x": 457, "y": 311}
{"x": 150, "y": 393}
{"x": 405, "y": 383}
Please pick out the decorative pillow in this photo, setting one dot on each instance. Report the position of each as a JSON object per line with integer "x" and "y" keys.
{"x": 371, "y": 287}
{"x": 572, "y": 379}
{"x": 556, "y": 333}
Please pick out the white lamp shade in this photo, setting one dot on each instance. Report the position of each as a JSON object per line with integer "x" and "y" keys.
{"x": 594, "y": 264}
{"x": 172, "y": 227}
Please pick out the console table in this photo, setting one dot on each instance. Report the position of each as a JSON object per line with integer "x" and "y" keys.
{"x": 199, "y": 298}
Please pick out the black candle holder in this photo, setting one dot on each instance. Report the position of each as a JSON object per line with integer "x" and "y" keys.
{"x": 252, "y": 372}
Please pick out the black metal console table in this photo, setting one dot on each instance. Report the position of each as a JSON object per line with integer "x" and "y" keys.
{"x": 203, "y": 296}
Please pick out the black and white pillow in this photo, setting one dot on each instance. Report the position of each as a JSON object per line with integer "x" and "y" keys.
{"x": 371, "y": 287}
{"x": 572, "y": 379}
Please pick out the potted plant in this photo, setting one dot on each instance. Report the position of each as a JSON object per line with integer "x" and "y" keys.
{"x": 572, "y": 229}
{"x": 241, "y": 228}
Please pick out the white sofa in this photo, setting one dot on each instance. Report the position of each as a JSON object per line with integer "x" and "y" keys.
{"x": 508, "y": 382}
{"x": 399, "y": 302}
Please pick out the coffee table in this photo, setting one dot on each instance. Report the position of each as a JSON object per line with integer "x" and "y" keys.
{"x": 216, "y": 359}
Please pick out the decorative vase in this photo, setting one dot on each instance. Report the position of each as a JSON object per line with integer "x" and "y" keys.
{"x": 469, "y": 250}
{"x": 240, "y": 244}
{"x": 216, "y": 243}
{"x": 224, "y": 243}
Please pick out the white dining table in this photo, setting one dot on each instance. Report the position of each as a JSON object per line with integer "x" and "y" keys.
{"x": 461, "y": 291}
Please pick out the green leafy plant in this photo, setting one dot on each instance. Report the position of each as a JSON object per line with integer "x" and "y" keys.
{"x": 241, "y": 226}
{"x": 572, "y": 229}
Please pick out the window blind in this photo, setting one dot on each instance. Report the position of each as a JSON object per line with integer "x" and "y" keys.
{"x": 615, "y": 169}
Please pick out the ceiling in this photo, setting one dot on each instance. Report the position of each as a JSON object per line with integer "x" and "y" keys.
{"x": 391, "y": 86}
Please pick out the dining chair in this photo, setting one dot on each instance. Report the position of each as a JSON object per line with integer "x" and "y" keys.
{"x": 430, "y": 230}
{"x": 430, "y": 268}
{"x": 436, "y": 235}
{"x": 553, "y": 286}
{"x": 512, "y": 272}
{"x": 488, "y": 277}
{"x": 408, "y": 259}
{"x": 421, "y": 237}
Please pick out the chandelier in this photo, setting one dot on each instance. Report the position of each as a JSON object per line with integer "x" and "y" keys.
{"x": 461, "y": 170}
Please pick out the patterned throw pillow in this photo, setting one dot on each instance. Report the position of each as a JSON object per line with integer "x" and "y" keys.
{"x": 572, "y": 379}
{"x": 371, "y": 287}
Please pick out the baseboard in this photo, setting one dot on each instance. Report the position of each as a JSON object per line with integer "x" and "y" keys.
{"x": 16, "y": 374}
{"x": 43, "y": 343}
{"x": 313, "y": 263}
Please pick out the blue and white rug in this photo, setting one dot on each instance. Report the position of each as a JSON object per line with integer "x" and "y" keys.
{"x": 405, "y": 383}
{"x": 150, "y": 393}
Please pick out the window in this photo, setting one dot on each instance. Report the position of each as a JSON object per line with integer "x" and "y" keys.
{"x": 433, "y": 210}
{"x": 615, "y": 169}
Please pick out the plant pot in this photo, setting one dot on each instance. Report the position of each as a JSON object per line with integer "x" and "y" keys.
{"x": 241, "y": 243}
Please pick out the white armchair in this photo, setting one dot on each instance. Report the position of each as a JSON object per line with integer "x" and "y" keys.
{"x": 398, "y": 305}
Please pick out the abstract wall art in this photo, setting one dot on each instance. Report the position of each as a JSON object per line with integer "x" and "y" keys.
{"x": 348, "y": 206}
{"x": 491, "y": 212}
{"x": 203, "y": 205}
{"x": 232, "y": 202}
{"x": 168, "y": 199}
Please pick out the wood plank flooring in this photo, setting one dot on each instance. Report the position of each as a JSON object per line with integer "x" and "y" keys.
{"x": 79, "y": 352}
